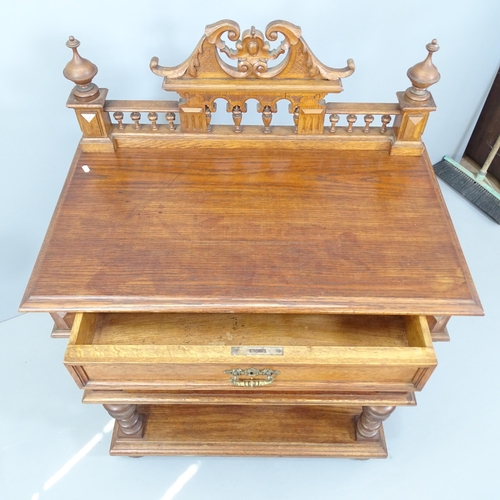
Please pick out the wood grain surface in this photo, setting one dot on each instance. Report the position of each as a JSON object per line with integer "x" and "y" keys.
{"x": 305, "y": 431}
{"x": 254, "y": 231}
{"x": 249, "y": 329}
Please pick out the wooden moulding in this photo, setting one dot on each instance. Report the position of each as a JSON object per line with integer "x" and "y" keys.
{"x": 319, "y": 353}
{"x": 249, "y": 397}
{"x": 362, "y": 108}
{"x": 251, "y": 136}
{"x": 90, "y": 145}
{"x": 144, "y": 106}
{"x": 239, "y": 430}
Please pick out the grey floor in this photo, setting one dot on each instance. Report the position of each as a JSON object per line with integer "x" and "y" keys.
{"x": 53, "y": 447}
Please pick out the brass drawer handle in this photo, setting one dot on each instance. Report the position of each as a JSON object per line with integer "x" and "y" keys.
{"x": 252, "y": 372}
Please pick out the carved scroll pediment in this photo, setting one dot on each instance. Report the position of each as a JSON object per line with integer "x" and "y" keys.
{"x": 252, "y": 54}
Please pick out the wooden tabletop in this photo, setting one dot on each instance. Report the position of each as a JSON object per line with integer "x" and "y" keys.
{"x": 211, "y": 230}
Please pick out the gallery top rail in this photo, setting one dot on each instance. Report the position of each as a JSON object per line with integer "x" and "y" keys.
{"x": 217, "y": 71}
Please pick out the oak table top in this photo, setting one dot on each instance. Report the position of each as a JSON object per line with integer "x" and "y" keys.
{"x": 265, "y": 230}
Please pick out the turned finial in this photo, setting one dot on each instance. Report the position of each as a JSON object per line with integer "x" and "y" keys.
{"x": 81, "y": 71}
{"x": 423, "y": 75}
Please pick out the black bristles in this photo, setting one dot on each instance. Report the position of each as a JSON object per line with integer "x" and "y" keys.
{"x": 469, "y": 188}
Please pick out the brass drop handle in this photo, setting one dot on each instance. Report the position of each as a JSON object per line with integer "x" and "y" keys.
{"x": 252, "y": 372}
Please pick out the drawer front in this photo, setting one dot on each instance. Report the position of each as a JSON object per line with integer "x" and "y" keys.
{"x": 100, "y": 357}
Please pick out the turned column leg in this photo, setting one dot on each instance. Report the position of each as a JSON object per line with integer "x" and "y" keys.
{"x": 130, "y": 421}
{"x": 370, "y": 420}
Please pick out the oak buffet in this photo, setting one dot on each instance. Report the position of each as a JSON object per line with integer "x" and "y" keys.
{"x": 251, "y": 290}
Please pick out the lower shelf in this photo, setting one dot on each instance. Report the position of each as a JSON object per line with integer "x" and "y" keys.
{"x": 232, "y": 430}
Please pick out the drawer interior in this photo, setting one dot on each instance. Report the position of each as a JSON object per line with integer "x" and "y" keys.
{"x": 246, "y": 329}
{"x": 157, "y": 351}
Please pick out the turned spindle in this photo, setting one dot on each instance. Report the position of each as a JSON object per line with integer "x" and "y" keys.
{"x": 129, "y": 420}
{"x": 81, "y": 71}
{"x": 386, "y": 119}
{"x": 351, "y": 119}
{"x": 153, "y": 117}
{"x": 267, "y": 116}
{"x": 368, "y": 121}
{"x": 423, "y": 75}
{"x": 208, "y": 117}
{"x": 237, "y": 116}
{"x": 296, "y": 114}
{"x": 370, "y": 420}
{"x": 118, "y": 116}
{"x": 334, "y": 119}
{"x": 136, "y": 116}
{"x": 170, "y": 119}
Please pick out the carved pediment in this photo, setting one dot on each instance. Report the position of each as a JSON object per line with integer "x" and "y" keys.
{"x": 252, "y": 54}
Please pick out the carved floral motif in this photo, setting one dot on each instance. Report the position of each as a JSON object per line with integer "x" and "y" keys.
{"x": 252, "y": 54}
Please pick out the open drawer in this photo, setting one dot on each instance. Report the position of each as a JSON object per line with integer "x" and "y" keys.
{"x": 257, "y": 352}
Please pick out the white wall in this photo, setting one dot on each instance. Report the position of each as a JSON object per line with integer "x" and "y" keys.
{"x": 38, "y": 134}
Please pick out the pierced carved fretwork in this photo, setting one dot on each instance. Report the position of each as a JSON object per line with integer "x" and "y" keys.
{"x": 299, "y": 77}
{"x": 252, "y": 54}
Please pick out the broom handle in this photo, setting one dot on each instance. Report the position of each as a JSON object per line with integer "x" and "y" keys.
{"x": 489, "y": 160}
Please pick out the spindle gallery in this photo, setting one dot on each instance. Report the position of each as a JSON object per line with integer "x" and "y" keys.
{"x": 251, "y": 289}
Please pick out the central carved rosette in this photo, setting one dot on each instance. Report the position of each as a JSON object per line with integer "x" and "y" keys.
{"x": 252, "y": 52}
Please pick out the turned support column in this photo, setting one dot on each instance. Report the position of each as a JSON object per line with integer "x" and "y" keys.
{"x": 370, "y": 420}
{"x": 129, "y": 420}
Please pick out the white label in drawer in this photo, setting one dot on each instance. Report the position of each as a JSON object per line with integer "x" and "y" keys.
{"x": 256, "y": 351}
